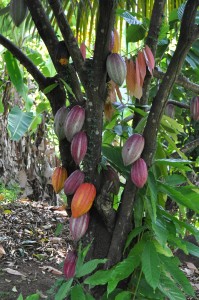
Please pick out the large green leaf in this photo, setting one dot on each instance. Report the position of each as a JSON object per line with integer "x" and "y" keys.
{"x": 64, "y": 290}
{"x": 135, "y": 33}
{"x": 18, "y": 122}
{"x": 152, "y": 184}
{"x": 99, "y": 277}
{"x": 89, "y": 267}
{"x": 169, "y": 289}
{"x": 192, "y": 249}
{"x": 151, "y": 265}
{"x": 77, "y": 293}
{"x": 125, "y": 295}
{"x": 133, "y": 234}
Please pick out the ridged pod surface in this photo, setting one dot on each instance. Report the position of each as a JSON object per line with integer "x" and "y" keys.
{"x": 74, "y": 121}
{"x": 70, "y": 264}
{"x": 59, "y": 121}
{"x": 116, "y": 68}
{"x": 58, "y": 178}
{"x": 139, "y": 173}
{"x": 18, "y": 11}
{"x": 79, "y": 146}
{"x": 73, "y": 182}
{"x": 194, "y": 108}
{"x": 79, "y": 226}
{"x": 83, "y": 199}
{"x": 132, "y": 149}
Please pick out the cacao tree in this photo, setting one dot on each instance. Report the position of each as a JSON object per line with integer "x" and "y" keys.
{"x": 108, "y": 109}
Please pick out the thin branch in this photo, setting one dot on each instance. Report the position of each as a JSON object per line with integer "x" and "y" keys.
{"x": 178, "y": 104}
{"x": 180, "y": 79}
{"x": 189, "y": 147}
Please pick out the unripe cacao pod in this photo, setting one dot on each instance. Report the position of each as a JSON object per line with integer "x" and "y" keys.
{"x": 83, "y": 199}
{"x": 139, "y": 173}
{"x": 132, "y": 149}
{"x": 194, "y": 108}
{"x": 74, "y": 121}
{"x": 58, "y": 178}
{"x": 70, "y": 264}
{"x": 79, "y": 226}
{"x": 170, "y": 110}
{"x": 73, "y": 182}
{"x": 116, "y": 68}
{"x": 79, "y": 146}
{"x": 111, "y": 175}
{"x": 18, "y": 11}
{"x": 59, "y": 121}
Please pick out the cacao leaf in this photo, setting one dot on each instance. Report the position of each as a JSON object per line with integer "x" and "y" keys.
{"x": 64, "y": 290}
{"x": 169, "y": 289}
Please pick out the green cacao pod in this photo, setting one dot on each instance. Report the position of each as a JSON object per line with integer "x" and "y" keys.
{"x": 18, "y": 11}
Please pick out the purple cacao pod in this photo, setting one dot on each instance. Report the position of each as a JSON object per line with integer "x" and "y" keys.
{"x": 194, "y": 108}
{"x": 132, "y": 149}
{"x": 170, "y": 110}
{"x": 70, "y": 264}
{"x": 111, "y": 175}
{"x": 79, "y": 226}
{"x": 59, "y": 121}
{"x": 139, "y": 173}
{"x": 73, "y": 182}
{"x": 111, "y": 43}
{"x": 116, "y": 68}
{"x": 79, "y": 146}
{"x": 74, "y": 121}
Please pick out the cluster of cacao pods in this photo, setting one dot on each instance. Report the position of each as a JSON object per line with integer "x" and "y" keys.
{"x": 18, "y": 11}
{"x": 131, "y": 153}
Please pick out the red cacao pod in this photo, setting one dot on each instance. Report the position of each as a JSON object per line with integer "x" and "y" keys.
{"x": 70, "y": 264}
{"x": 18, "y": 11}
{"x": 74, "y": 121}
{"x": 73, "y": 182}
{"x": 170, "y": 110}
{"x": 194, "y": 108}
{"x": 83, "y": 199}
{"x": 132, "y": 149}
{"x": 79, "y": 226}
{"x": 139, "y": 173}
{"x": 79, "y": 146}
{"x": 111, "y": 175}
{"x": 58, "y": 178}
{"x": 59, "y": 121}
{"x": 116, "y": 68}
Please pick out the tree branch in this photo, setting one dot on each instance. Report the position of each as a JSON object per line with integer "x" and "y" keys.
{"x": 180, "y": 79}
{"x": 189, "y": 147}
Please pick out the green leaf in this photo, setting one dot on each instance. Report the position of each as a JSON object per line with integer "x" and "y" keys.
{"x": 18, "y": 122}
{"x": 171, "y": 265}
{"x": 152, "y": 184}
{"x": 89, "y": 297}
{"x": 173, "y": 162}
{"x": 99, "y": 278}
{"x": 20, "y": 297}
{"x": 133, "y": 234}
{"x": 160, "y": 230}
{"x": 89, "y": 267}
{"x": 81, "y": 256}
{"x": 42, "y": 106}
{"x": 59, "y": 229}
{"x": 169, "y": 289}
{"x": 1, "y": 107}
{"x": 50, "y": 87}
{"x": 175, "y": 179}
{"x": 64, "y": 290}
{"x": 77, "y": 293}
{"x": 151, "y": 265}
{"x": 33, "y": 297}
{"x": 192, "y": 249}
{"x": 68, "y": 88}
{"x": 135, "y": 33}
{"x": 178, "y": 194}
{"x": 125, "y": 295}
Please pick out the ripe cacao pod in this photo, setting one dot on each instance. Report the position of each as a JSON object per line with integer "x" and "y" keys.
{"x": 79, "y": 226}
{"x": 70, "y": 264}
{"x": 116, "y": 68}
{"x": 194, "y": 108}
{"x": 59, "y": 121}
{"x": 83, "y": 199}
{"x": 132, "y": 149}
{"x": 111, "y": 175}
{"x": 73, "y": 182}
{"x": 170, "y": 110}
{"x": 79, "y": 146}
{"x": 18, "y": 11}
{"x": 58, "y": 178}
{"x": 74, "y": 121}
{"x": 139, "y": 173}
{"x": 61, "y": 54}
{"x": 116, "y": 44}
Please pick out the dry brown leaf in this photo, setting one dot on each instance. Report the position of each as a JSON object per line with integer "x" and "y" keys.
{"x": 191, "y": 266}
{"x": 188, "y": 271}
{"x": 52, "y": 270}
{"x": 2, "y": 251}
{"x": 14, "y": 272}
{"x": 197, "y": 285}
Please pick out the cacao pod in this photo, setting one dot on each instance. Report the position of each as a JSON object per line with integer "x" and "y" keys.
{"x": 58, "y": 178}
{"x": 73, "y": 182}
{"x": 170, "y": 110}
{"x": 59, "y": 121}
{"x": 116, "y": 42}
{"x": 70, "y": 264}
{"x": 83, "y": 199}
{"x": 79, "y": 226}
{"x": 74, "y": 121}
{"x": 116, "y": 68}
{"x": 194, "y": 108}
{"x": 111, "y": 43}
{"x": 149, "y": 58}
{"x": 79, "y": 146}
{"x": 61, "y": 54}
{"x": 83, "y": 50}
{"x": 132, "y": 149}
{"x": 111, "y": 175}
{"x": 18, "y": 11}
{"x": 139, "y": 173}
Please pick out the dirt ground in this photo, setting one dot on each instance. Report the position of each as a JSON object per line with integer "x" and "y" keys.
{"x": 34, "y": 238}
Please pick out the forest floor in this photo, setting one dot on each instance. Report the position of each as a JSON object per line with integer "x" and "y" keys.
{"x": 34, "y": 238}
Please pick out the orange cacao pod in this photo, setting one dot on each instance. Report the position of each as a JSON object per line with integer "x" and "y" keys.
{"x": 83, "y": 199}
{"x": 58, "y": 178}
